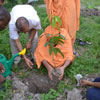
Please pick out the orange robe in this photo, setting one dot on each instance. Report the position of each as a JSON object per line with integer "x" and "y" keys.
{"x": 42, "y": 53}
{"x": 68, "y": 11}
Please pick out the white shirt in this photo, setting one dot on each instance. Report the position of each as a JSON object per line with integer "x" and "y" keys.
{"x": 29, "y": 13}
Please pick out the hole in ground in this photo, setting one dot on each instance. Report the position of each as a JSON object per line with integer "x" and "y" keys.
{"x": 40, "y": 83}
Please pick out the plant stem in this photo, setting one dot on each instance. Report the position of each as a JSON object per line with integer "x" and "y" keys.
{"x": 53, "y": 60}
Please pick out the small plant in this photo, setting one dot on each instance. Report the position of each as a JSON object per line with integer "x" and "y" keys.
{"x": 55, "y": 39}
{"x": 51, "y": 95}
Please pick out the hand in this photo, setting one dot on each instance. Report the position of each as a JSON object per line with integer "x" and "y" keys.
{"x": 28, "y": 62}
{"x": 62, "y": 72}
{"x": 85, "y": 82}
{"x": 29, "y": 45}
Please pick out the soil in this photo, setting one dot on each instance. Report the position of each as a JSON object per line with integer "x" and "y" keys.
{"x": 90, "y": 12}
{"x": 81, "y": 50}
{"x": 39, "y": 83}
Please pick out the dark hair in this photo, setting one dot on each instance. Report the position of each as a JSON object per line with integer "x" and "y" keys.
{"x": 4, "y": 17}
{"x": 21, "y": 22}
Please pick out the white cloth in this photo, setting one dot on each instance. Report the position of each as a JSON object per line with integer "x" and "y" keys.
{"x": 29, "y": 13}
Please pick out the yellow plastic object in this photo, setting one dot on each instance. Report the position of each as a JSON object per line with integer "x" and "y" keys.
{"x": 23, "y": 52}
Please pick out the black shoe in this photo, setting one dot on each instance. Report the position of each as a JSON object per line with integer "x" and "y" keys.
{"x": 82, "y": 43}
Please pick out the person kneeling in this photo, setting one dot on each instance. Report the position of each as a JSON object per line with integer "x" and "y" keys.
{"x": 42, "y": 52}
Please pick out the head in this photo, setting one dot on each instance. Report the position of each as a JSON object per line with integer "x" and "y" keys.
{"x": 2, "y": 2}
{"x": 4, "y": 17}
{"x": 22, "y": 24}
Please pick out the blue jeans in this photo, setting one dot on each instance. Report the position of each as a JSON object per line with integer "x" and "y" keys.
{"x": 93, "y": 93}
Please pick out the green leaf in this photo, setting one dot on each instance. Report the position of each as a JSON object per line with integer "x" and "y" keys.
{"x": 62, "y": 36}
{"x": 58, "y": 28}
{"x": 50, "y": 50}
{"x": 57, "y": 37}
{"x": 45, "y": 20}
{"x": 55, "y": 51}
{"x": 51, "y": 41}
{"x": 58, "y": 19}
{"x": 58, "y": 40}
{"x": 58, "y": 50}
{"x": 61, "y": 41}
{"x": 53, "y": 22}
{"x": 47, "y": 43}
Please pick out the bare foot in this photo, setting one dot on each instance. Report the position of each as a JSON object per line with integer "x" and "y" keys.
{"x": 62, "y": 72}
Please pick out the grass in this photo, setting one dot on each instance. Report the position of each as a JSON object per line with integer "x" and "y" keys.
{"x": 88, "y": 62}
{"x": 6, "y": 92}
{"x": 90, "y": 3}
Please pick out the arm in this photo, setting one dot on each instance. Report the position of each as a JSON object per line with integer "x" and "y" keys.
{"x": 19, "y": 46}
{"x": 66, "y": 64}
{"x": 62, "y": 68}
{"x": 94, "y": 84}
{"x": 35, "y": 25}
{"x": 49, "y": 68}
{"x": 32, "y": 34}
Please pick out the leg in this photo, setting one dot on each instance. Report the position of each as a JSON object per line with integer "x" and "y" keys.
{"x": 14, "y": 50}
{"x": 48, "y": 67}
{"x": 93, "y": 94}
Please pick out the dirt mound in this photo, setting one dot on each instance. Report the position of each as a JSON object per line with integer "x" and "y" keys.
{"x": 90, "y": 12}
{"x": 40, "y": 83}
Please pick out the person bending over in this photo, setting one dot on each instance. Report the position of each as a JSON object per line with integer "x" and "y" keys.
{"x": 24, "y": 19}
